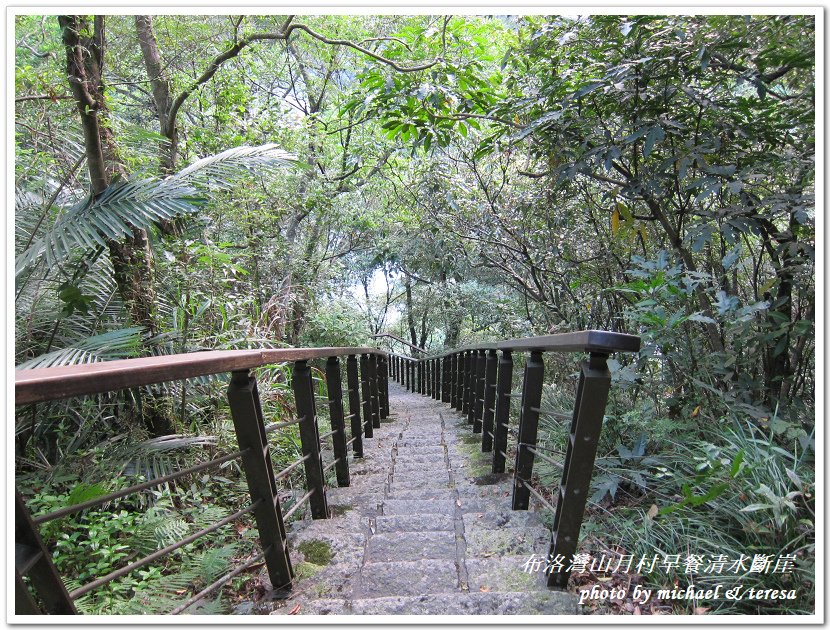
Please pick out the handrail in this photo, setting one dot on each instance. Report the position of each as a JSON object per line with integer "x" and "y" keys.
{"x": 52, "y": 383}
{"x": 579, "y": 341}
{"x": 476, "y": 380}
{"x": 32, "y": 557}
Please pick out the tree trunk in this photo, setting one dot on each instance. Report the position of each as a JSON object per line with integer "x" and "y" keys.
{"x": 85, "y": 44}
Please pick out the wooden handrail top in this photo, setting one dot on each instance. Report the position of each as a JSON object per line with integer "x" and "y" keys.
{"x": 599, "y": 341}
{"x": 42, "y": 384}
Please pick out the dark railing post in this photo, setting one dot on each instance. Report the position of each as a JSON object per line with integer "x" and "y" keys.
{"x": 591, "y": 398}
{"x": 334, "y": 386}
{"x": 489, "y": 401}
{"x": 353, "y": 384}
{"x": 366, "y": 395}
{"x": 374, "y": 390}
{"x": 456, "y": 381}
{"x": 408, "y": 371}
{"x": 478, "y": 390}
{"x": 310, "y": 439}
{"x": 383, "y": 366}
{"x": 438, "y": 374}
{"x": 422, "y": 369}
{"x": 528, "y": 426}
{"x": 246, "y": 413}
{"x": 33, "y": 559}
{"x": 465, "y": 390}
{"x": 471, "y": 387}
{"x": 503, "y": 387}
{"x": 445, "y": 383}
{"x": 428, "y": 376}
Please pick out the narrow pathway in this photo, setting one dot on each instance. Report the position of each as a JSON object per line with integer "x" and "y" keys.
{"x": 424, "y": 528}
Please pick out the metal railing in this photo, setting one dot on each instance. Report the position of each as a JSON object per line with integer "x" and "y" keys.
{"x": 477, "y": 381}
{"x": 33, "y": 561}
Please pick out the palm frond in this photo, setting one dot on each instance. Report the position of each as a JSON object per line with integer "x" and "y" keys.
{"x": 141, "y": 203}
{"x": 219, "y": 171}
{"x": 115, "y": 344}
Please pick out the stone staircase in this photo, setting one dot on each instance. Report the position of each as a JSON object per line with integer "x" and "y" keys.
{"x": 424, "y": 529}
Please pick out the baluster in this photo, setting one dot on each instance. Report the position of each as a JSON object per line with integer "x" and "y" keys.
{"x": 505, "y": 384}
{"x": 353, "y": 384}
{"x": 384, "y": 386}
{"x": 436, "y": 379}
{"x": 310, "y": 439}
{"x": 489, "y": 401}
{"x": 246, "y": 413}
{"x": 366, "y": 392}
{"x": 465, "y": 391}
{"x": 478, "y": 391}
{"x": 456, "y": 381}
{"x": 428, "y": 376}
{"x": 374, "y": 390}
{"x": 445, "y": 384}
{"x": 528, "y": 427}
{"x": 34, "y": 560}
{"x": 471, "y": 387}
{"x": 591, "y": 398}
{"x": 334, "y": 386}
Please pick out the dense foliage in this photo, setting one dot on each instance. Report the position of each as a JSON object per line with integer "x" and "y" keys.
{"x": 187, "y": 182}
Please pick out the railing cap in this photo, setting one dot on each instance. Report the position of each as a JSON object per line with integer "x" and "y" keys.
{"x": 42, "y": 384}
{"x": 600, "y": 341}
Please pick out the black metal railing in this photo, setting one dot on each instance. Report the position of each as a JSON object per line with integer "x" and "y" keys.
{"x": 38, "y": 586}
{"x": 477, "y": 381}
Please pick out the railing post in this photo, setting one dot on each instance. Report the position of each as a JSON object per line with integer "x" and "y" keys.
{"x": 422, "y": 385}
{"x": 428, "y": 377}
{"x": 528, "y": 426}
{"x": 246, "y": 412}
{"x": 438, "y": 376}
{"x": 478, "y": 391}
{"x": 366, "y": 388}
{"x": 465, "y": 391}
{"x": 503, "y": 387}
{"x": 456, "y": 381}
{"x": 310, "y": 439}
{"x": 591, "y": 398}
{"x": 406, "y": 372}
{"x": 471, "y": 387}
{"x": 445, "y": 384}
{"x": 334, "y": 386}
{"x": 489, "y": 401}
{"x": 353, "y": 384}
{"x": 383, "y": 365}
{"x": 375, "y": 390}
{"x": 32, "y": 558}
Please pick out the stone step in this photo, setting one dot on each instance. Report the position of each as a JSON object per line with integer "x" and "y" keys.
{"x": 400, "y": 546}
{"x": 417, "y": 506}
{"x": 480, "y": 603}
{"x": 415, "y": 577}
{"x": 397, "y": 491}
{"x": 507, "y": 541}
{"x": 414, "y": 523}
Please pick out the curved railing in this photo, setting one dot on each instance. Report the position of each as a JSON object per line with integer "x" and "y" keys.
{"x": 367, "y": 390}
{"x": 477, "y": 381}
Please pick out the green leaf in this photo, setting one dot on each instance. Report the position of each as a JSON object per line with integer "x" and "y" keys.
{"x": 655, "y": 134}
